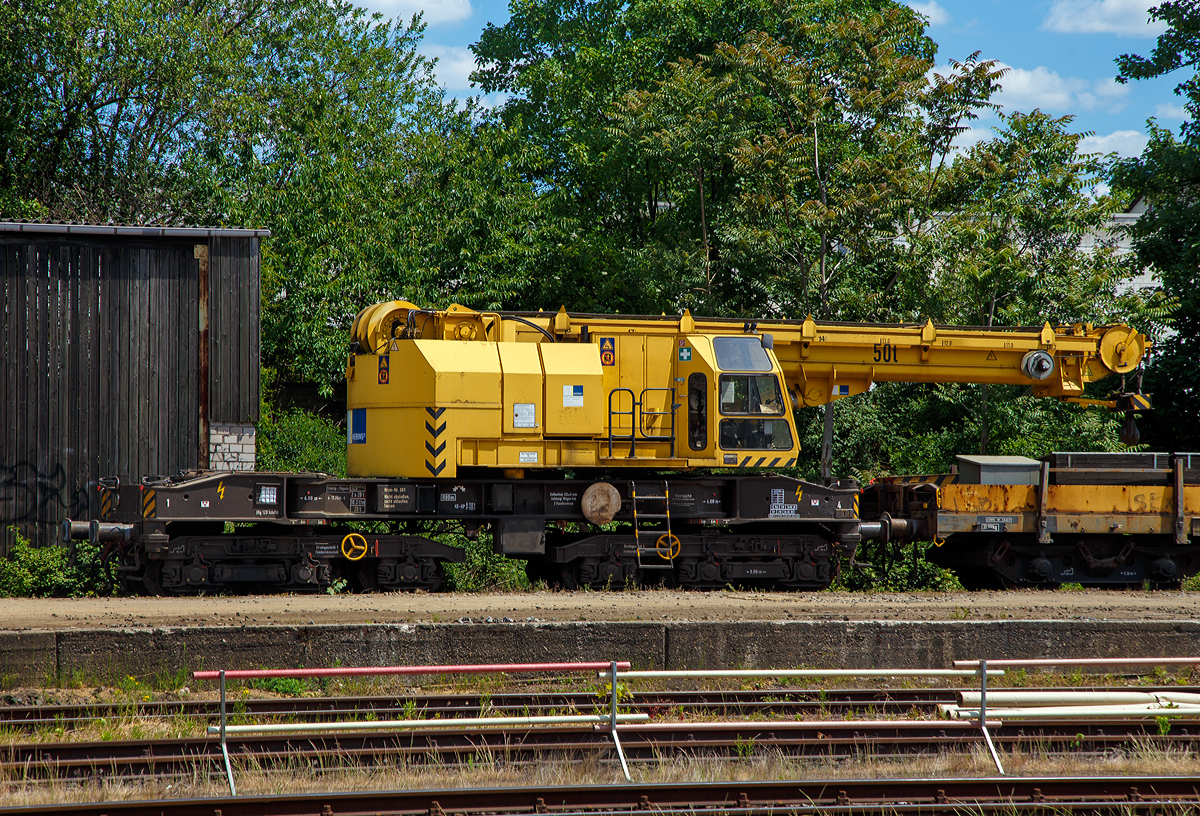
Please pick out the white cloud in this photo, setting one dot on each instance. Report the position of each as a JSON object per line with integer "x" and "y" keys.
{"x": 1124, "y": 143}
{"x": 436, "y": 11}
{"x": 1125, "y": 17}
{"x": 1042, "y": 88}
{"x": 1170, "y": 112}
{"x": 454, "y": 65}
{"x": 931, "y": 10}
{"x": 971, "y": 137}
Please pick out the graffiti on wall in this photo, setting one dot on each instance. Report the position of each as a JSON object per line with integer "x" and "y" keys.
{"x": 29, "y": 495}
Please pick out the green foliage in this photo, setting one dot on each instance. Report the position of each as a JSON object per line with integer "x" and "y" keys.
{"x": 295, "y": 440}
{"x": 1167, "y": 237}
{"x": 484, "y": 570}
{"x": 45, "y": 572}
{"x": 896, "y": 568}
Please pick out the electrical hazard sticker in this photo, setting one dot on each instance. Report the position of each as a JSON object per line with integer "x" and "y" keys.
{"x": 608, "y": 351}
{"x": 384, "y": 373}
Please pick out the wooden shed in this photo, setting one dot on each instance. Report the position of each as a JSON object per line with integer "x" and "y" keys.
{"x": 124, "y": 351}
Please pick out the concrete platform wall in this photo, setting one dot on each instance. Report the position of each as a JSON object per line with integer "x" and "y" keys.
{"x": 106, "y": 655}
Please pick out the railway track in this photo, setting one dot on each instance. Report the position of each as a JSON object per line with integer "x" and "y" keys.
{"x": 651, "y": 742}
{"x": 832, "y": 703}
{"x": 1002, "y": 795}
{"x": 322, "y": 709}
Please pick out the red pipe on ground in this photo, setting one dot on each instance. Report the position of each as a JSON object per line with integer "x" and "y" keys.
{"x": 484, "y": 668}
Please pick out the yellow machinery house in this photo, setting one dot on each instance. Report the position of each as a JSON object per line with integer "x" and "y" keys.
{"x": 594, "y": 396}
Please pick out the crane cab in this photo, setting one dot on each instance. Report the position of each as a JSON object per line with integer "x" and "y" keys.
{"x": 738, "y": 410}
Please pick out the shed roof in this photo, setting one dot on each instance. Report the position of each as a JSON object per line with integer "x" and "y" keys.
{"x": 129, "y": 230}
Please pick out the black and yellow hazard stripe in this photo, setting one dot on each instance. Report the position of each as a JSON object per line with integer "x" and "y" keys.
{"x": 149, "y": 503}
{"x": 934, "y": 478}
{"x": 107, "y": 501}
{"x": 434, "y": 462}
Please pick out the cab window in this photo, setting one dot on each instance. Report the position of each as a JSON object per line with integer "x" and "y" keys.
{"x": 697, "y": 411}
{"x": 741, "y": 354}
{"x": 750, "y": 394}
{"x": 756, "y": 434}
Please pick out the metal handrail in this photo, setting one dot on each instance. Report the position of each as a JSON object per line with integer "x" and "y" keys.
{"x": 225, "y": 729}
{"x": 637, "y": 417}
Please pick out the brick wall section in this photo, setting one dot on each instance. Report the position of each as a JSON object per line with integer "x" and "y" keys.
{"x": 231, "y": 446}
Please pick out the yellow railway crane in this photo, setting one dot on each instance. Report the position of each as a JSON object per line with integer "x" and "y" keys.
{"x": 440, "y": 392}
{"x": 543, "y": 428}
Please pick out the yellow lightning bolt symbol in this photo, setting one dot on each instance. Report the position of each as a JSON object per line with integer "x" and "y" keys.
{"x": 221, "y": 490}
{"x": 799, "y": 493}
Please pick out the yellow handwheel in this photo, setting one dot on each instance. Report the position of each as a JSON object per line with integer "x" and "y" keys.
{"x": 667, "y": 546}
{"x": 354, "y": 546}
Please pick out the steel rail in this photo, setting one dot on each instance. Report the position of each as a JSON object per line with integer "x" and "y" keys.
{"x": 788, "y": 702}
{"x": 782, "y": 701}
{"x": 1126, "y": 794}
{"x": 181, "y": 757}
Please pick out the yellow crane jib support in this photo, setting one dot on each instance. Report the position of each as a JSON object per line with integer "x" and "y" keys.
{"x": 434, "y": 391}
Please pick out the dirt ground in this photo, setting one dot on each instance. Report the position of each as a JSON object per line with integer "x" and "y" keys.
{"x": 61, "y": 613}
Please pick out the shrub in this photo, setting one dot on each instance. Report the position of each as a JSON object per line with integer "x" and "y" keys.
{"x": 484, "y": 569}
{"x": 897, "y": 568}
{"x": 289, "y": 686}
{"x": 296, "y": 440}
{"x": 44, "y": 572}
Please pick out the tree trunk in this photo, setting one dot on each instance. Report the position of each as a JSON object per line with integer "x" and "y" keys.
{"x": 704, "y": 235}
{"x": 983, "y": 425}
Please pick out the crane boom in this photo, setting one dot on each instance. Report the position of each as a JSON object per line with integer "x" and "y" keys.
{"x": 559, "y": 389}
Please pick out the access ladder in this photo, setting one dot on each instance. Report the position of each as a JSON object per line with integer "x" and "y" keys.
{"x": 665, "y": 550}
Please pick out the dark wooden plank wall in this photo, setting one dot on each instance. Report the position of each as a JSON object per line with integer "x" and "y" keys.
{"x": 99, "y": 365}
{"x": 234, "y": 329}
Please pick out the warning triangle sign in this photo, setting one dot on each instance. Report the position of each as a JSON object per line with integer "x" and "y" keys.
{"x": 991, "y": 355}
{"x": 395, "y": 345}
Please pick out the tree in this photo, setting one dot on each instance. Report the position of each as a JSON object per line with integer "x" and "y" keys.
{"x": 1008, "y": 253}
{"x": 1166, "y": 238}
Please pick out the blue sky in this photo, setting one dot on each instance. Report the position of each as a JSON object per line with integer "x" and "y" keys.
{"x": 1060, "y": 53}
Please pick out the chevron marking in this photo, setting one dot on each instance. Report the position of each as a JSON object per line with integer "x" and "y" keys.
{"x": 435, "y": 432}
{"x": 435, "y": 470}
{"x": 435, "y": 451}
{"x": 436, "y": 413}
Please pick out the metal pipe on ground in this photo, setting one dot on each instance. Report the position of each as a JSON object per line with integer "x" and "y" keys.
{"x": 1032, "y": 699}
{"x": 1083, "y": 713}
